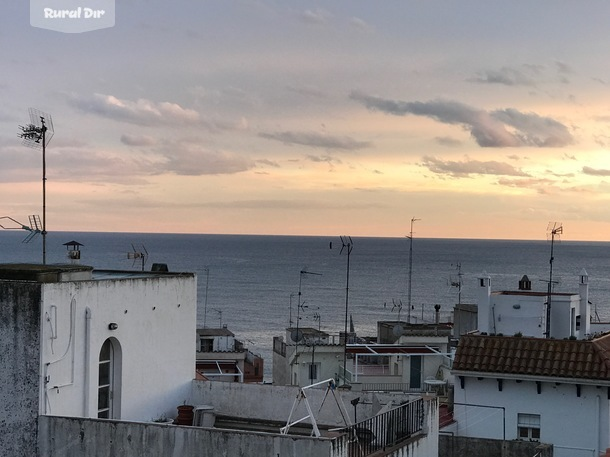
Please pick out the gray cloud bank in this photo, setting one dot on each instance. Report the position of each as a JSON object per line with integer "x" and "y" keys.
{"x": 500, "y": 128}
{"x": 316, "y": 140}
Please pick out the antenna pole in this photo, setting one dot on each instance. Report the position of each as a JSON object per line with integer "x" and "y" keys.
{"x": 347, "y": 243}
{"x": 36, "y": 134}
{"x": 410, "y": 236}
{"x": 459, "y": 265}
{"x": 299, "y": 306}
{"x": 205, "y": 303}
{"x": 44, "y": 191}
{"x": 554, "y": 231}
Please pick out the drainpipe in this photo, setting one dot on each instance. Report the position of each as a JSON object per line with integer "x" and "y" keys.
{"x": 69, "y": 349}
{"x": 87, "y": 358}
{"x": 597, "y": 420}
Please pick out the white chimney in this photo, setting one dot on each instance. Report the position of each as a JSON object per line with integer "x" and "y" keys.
{"x": 585, "y": 309}
{"x": 483, "y": 298}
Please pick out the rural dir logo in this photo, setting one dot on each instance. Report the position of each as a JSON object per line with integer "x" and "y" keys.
{"x": 72, "y": 16}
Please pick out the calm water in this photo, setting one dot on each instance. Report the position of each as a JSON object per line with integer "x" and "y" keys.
{"x": 251, "y": 278}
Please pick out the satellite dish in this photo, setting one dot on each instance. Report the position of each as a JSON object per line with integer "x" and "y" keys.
{"x": 398, "y": 330}
{"x": 296, "y": 335}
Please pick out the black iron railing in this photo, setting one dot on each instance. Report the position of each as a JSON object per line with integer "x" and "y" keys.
{"x": 386, "y": 430}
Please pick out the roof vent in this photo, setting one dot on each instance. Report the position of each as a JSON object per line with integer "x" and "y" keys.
{"x": 525, "y": 283}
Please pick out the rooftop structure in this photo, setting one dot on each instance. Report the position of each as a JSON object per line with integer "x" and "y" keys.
{"x": 221, "y": 357}
{"x": 534, "y": 313}
{"x": 535, "y": 357}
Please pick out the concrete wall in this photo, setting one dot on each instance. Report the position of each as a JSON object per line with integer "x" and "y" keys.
{"x": 156, "y": 333}
{"x": 19, "y": 367}
{"x": 265, "y": 402}
{"x": 588, "y": 414}
{"x": 77, "y": 437}
{"x": 458, "y": 446}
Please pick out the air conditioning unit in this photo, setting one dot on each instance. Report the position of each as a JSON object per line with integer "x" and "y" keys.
{"x": 204, "y": 416}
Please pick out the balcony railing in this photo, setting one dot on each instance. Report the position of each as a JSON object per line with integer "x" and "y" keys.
{"x": 384, "y": 431}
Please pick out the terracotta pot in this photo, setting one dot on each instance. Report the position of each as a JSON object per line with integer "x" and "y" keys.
{"x": 185, "y": 415}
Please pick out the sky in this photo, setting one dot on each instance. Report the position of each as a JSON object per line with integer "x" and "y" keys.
{"x": 479, "y": 118}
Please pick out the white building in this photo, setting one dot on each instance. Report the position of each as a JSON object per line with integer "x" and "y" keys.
{"x": 533, "y": 372}
{"x": 98, "y": 344}
{"x": 547, "y": 390}
{"x": 222, "y": 357}
{"x": 533, "y": 313}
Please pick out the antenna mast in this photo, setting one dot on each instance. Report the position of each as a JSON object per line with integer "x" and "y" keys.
{"x": 35, "y": 135}
{"x": 554, "y": 230}
{"x": 348, "y": 245}
{"x": 410, "y": 236}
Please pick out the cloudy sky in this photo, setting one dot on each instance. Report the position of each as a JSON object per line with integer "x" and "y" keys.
{"x": 484, "y": 119}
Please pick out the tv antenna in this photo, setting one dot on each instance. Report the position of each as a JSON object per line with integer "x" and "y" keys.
{"x": 457, "y": 284}
{"x": 317, "y": 317}
{"x": 297, "y": 335}
{"x": 410, "y": 236}
{"x": 37, "y": 135}
{"x": 554, "y": 230}
{"x": 397, "y": 306}
{"x": 34, "y": 228}
{"x": 138, "y": 255}
{"x": 219, "y": 311}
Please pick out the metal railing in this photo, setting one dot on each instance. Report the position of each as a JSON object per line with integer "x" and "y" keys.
{"x": 388, "y": 387}
{"x": 386, "y": 430}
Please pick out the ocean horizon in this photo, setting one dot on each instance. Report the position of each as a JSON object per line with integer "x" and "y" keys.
{"x": 251, "y": 282}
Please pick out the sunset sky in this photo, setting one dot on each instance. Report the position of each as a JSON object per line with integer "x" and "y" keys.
{"x": 484, "y": 119}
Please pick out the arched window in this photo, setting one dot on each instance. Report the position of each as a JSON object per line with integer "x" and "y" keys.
{"x": 108, "y": 393}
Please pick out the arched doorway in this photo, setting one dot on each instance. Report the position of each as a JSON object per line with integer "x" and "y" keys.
{"x": 109, "y": 380}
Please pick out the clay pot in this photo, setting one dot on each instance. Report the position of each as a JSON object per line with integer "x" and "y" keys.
{"x": 185, "y": 415}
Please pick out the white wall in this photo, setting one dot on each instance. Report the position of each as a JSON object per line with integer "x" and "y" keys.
{"x": 329, "y": 358}
{"x": 580, "y": 424}
{"x": 224, "y": 343}
{"x": 156, "y": 319}
{"x": 517, "y": 313}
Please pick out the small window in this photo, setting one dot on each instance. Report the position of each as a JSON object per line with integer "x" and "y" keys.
{"x": 206, "y": 345}
{"x": 528, "y": 427}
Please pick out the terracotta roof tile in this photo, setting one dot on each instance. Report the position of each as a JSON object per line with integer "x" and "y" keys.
{"x": 585, "y": 359}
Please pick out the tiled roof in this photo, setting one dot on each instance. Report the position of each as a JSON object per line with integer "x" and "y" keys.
{"x": 582, "y": 359}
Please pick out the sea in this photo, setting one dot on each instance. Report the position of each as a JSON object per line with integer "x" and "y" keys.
{"x": 251, "y": 283}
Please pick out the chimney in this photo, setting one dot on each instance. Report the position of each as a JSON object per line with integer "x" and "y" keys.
{"x": 437, "y": 314}
{"x": 525, "y": 283}
{"x": 585, "y": 309}
{"x": 483, "y": 295}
